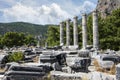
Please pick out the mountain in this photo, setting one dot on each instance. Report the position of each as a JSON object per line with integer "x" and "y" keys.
{"x": 30, "y": 28}
{"x": 105, "y": 7}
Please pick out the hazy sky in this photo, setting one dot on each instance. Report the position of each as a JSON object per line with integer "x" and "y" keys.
{"x": 43, "y": 11}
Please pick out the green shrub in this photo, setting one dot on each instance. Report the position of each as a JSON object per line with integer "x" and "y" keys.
{"x": 15, "y": 57}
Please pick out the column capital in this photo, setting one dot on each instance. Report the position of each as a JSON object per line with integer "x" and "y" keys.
{"x": 84, "y": 14}
{"x": 61, "y": 22}
{"x": 68, "y": 20}
{"x": 75, "y": 17}
{"x": 95, "y": 11}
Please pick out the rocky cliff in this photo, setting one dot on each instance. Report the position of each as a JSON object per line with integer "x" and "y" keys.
{"x": 105, "y": 7}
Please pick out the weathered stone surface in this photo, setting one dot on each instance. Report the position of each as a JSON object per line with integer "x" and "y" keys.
{"x": 95, "y": 31}
{"x": 105, "y": 7}
{"x": 67, "y": 32}
{"x": 55, "y": 75}
{"x": 61, "y": 34}
{"x": 100, "y": 76}
{"x": 25, "y": 73}
{"x": 106, "y": 64}
{"x": 24, "y": 77}
{"x": 84, "y": 53}
{"x": 118, "y": 72}
{"x": 57, "y": 67}
{"x": 84, "y": 31}
{"x": 75, "y": 30}
{"x": 78, "y": 64}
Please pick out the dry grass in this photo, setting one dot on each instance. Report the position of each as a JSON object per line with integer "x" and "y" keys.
{"x": 2, "y": 69}
{"x": 100, "y": 69}
{"x": 113, "y": 70}
{"x": 85, "y": 77}
{"x": 36, "y": 59}
{"x": 97, "y": 66}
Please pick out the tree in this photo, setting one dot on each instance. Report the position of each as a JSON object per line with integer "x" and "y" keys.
{"x": 30, "y": 40}
{"x": 112, "y": 31}
{"x": 11, "y": 39}
{"x": 1, "y": 45}
{"x": 15, "y": 57}
{"x": 53, "y": 36}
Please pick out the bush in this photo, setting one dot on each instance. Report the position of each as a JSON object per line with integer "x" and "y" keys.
{"x": 15, "y": 57}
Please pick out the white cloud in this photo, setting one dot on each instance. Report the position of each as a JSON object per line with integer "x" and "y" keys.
{"x": 40, "y": 15}
{"x": 86, "y": 7}
{"x": 51, "y": 13}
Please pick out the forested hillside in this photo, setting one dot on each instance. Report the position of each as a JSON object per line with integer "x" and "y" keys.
{"x": 23, "y": 27}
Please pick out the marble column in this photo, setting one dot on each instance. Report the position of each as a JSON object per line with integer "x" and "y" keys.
{"x": 61, "y": 34}
{"x": 84, "y": 31}
{"x": 75, "y": 30}
{"x": 67, "y": 32}
{"x": 95, "y": 31}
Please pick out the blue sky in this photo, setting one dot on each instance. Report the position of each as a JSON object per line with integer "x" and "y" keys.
{"x": 43, "y": 11}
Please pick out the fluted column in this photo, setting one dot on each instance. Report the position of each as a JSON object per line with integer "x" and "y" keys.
{"x": 84, "y": 31}
{"x": 95, "y": 31}
{"x": 67, "y": 32}
{"x": 61, "y": 34}
{"x": 75, "y": 30}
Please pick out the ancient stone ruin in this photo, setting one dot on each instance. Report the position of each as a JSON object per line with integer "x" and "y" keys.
{"x": 65, "y": 61}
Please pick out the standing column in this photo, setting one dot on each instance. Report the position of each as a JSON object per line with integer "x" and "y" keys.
{"x": 95, "y": 31}
{"x": 61, "y": 34}
{"x": 84, "y": 31}
{"x": 75, "y": 30}
{"x": 68, "y": 32}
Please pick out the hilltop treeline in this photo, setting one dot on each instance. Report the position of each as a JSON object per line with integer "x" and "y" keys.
{"x": 23, "y": 27}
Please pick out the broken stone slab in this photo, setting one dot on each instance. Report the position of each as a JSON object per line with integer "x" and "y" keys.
{"x": 57, "y": 75}
{"x": 75, "y": 47}
{"x": 55, "y": 56}
{"x": 78, "y": 63}
{"x": 72, "y": 54}
{"x": 48, "y": 58}
{"x": 3, "y": 60}
{"x": 1, "y": 77}
{"x": 19, "y": 77}
{"x": 46, "y": 66}
{"x": 100, "y": 76}
{"x": 23, "y": 75}
{"x": 57, "y": 67}
{"x": 26, "y": 68}
{"x": 118, "y": 72}
{"x": 84, "y": 53}
{"x": 70, "y": 47}
{"x": 7, "y": 66}
{"x": 106, "y": 64}
{"x": 66, "y": 69}
{"x": 114, "y": 58}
